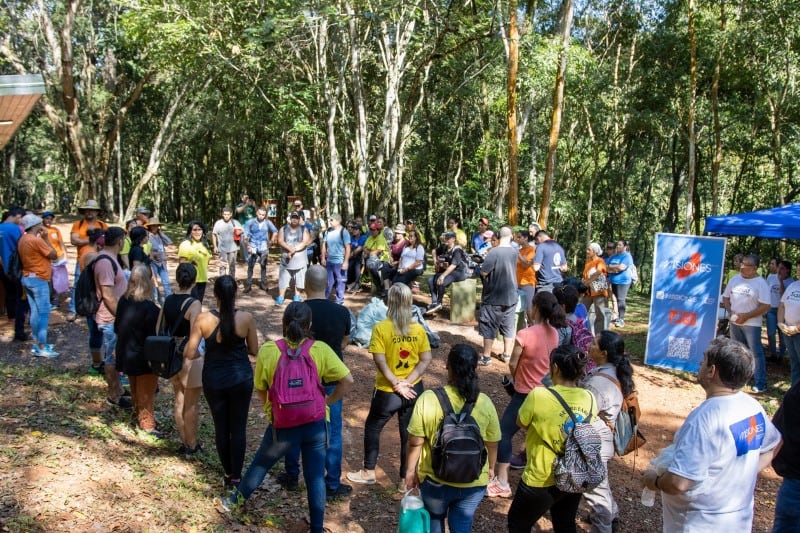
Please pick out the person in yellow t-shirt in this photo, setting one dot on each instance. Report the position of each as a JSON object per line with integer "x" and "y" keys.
{"x": 455, "y": 501}
{"x": 195, "y": 250}
{"x": 310, "y": 437}
{"x": 376, "y": 250}
{"x": 402, "y": 353}
{"x": 547, "y": 425}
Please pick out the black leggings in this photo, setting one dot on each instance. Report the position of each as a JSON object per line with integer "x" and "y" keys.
{"x": 229, "y": 408}
{"x": 530, "y": 503}
{"x": 383, "y": 407}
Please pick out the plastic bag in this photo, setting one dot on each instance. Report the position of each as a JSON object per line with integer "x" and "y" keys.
{"x": 60, "y": 277}
{"x": 414, "y": 518}
{"x": 370, "y": 315}
{"x": 433, "y": 338}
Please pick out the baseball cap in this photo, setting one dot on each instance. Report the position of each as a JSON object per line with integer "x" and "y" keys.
{"x": 374, "y": 226}
{"x": 30, "y": 221}
{"x": 142, "y": 210}
{"x": 449, "y": 235}
{"x": 294, "y": 214}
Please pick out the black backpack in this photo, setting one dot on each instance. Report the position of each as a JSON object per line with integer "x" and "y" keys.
{"x": 14, "y": 270}
{"x": 458, "y": 453}
{"x": 86, "y": 301}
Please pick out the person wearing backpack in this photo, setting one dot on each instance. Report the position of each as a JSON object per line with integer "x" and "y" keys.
{"x": 230, "y": 340}
{"x": 79, "y": 237}
{"x": 548, "y": 426}
{"x": 402, "y": 352}
{"x": 529, "y": 365}
{"x": 282, "y": 365}
{"x": 444, "y": 498}
{"x": 611, "y": 381}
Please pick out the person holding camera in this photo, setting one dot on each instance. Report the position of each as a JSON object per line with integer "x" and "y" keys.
{"x": 451, "y": 266}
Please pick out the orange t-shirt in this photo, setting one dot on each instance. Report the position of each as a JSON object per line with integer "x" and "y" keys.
{"x": 81, "y": 227}
{"x": 54, "y": 236}
{"x": 593, "y": 266}
{"x": 526, "y": 275}
{"x": 34, "y": 252}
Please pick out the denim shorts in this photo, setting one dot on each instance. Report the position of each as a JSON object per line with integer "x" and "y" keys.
{"x": 109, "y": 343}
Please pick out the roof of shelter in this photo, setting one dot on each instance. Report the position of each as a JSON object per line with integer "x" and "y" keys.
{"x": 18, "y": 95}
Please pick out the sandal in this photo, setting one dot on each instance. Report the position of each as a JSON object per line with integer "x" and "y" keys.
{"x": 497, "y": 489}
{"x": 360, "y": 478}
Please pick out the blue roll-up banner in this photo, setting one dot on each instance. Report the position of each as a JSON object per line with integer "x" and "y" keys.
{"x": 687, "y": 282}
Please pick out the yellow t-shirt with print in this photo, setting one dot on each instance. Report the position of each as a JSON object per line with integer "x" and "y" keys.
{"x": 425, "y": 422}
{"x": 548, "y": 423}
{"x": 329, "y": 367}
{"x": 402, "y": 351}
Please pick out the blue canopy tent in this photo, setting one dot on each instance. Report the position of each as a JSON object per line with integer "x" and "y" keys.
{"x": 781, "y": 222}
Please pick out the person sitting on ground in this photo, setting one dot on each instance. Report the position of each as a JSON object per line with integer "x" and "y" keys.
{"x": 455, "y": 502}
{"x": 391, "y": 266}
{"x": 451, "y": 266}
{"x": 310, "y": 437}
{"x": 402, "y": 353}
{"x": 377, "y": 251}
{"x": 135, "y": 320}
{"x": 181, "y": 310}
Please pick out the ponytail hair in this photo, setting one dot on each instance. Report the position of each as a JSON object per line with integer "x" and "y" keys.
{"x": 225, "y": 291}
{"x": 569, "y": 360}
{"x": 612, "y": 343}
{"x": 550, "y": 310}
{"x": 297, "y": 322}
{"x": 462, "y": 365}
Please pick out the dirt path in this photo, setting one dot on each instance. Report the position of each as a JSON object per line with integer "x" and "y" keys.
{"x": 69, "y": 463}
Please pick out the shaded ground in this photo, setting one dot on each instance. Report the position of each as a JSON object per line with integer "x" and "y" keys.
{"x": 70, "y": 463}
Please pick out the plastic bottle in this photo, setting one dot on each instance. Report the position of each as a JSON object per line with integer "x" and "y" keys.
{"x": 648, "y": 497}
{"x": 414, "y": 518}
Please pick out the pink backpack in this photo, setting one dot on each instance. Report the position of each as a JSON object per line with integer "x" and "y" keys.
{"x": 296, "y": 394}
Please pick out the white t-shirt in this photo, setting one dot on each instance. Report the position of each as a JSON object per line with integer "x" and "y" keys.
{"x": 774, "y": 285}
{"x": 410, "y": 255}
{"x": 718, "y": 447}
{"x": 791, "y": 304}
{"x": 746, "y": 294}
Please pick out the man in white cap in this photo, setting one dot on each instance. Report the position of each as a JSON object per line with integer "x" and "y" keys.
{"x": 36, "y": 254}
{"x": 79, "y": 238}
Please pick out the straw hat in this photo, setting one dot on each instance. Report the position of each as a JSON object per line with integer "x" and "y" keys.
{"x": 90, "y": 204}
{"x": 153, "y": 221}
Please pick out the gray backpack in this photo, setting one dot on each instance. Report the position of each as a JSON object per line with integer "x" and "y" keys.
{"x": 579, "y": 468}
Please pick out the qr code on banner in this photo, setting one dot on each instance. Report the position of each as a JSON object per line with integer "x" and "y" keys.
{"x": 679, "y": 348}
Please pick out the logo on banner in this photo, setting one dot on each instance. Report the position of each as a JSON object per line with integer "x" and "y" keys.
{"x": 685, "y": 268}
{"x": 682, "y": 318}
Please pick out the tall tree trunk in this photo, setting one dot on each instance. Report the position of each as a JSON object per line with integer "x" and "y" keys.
{"x": 511, "y": 114}
{"x": 717, "y": 162}
{"x": 558, "y": 103}
{"x": 690, "y": 124}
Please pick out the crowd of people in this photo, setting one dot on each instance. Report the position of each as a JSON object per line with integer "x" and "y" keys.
{"x": 320, "y": 263}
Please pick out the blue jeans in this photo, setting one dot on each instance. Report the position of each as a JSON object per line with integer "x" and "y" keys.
{"x": 109, "y": 343}
{"x": 333, "y": 457}
{"x": 772, "y": 332}
{"x": 750, "y": 336}
{"x": 311, "y": 438}
{"x": 163, "y": 274}
{"x": 509, "y": 427}
{"x": 793, "y": 347}
{"x": 38, "y": 291}
{"x": 336, "y": 279}
{"x": 456, "y": 504}
{"x": 74, "y": 284}
{"x": 787, "y": 507}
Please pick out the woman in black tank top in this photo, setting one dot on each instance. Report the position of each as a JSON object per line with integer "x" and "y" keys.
{"x": 231, "y": 340}
{"x": 180, "y": 311}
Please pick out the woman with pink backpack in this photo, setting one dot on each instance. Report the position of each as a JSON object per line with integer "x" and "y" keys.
{"x": 288, "y": 379}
